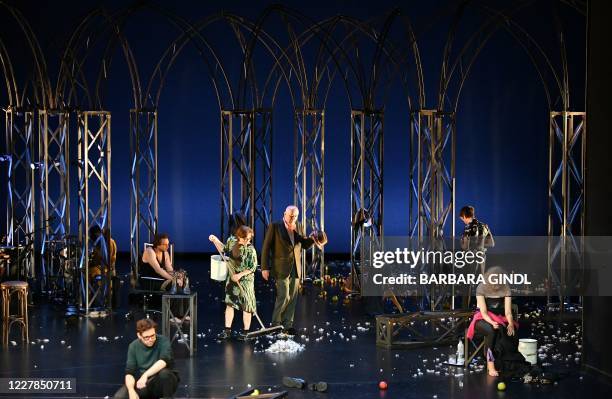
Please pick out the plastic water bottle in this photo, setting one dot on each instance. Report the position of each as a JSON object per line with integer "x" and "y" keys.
{"x": 173, "y": 289}
{"x": 186, "y": 289}
{"x": 452, "y": 357}
{"x": 460, "y": 353}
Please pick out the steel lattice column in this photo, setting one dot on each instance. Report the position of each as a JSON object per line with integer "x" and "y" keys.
{"x": 367, "y": 130}
{"x": 143, "y": 205}
{"x": 432, "y": 172}
{"x": 432, "y": 176}
{"x": 21, "y": 181}
{"x": 246, "y": 174}
{"x": 309, "y": 190}
{"x": 53, "y": 128}
{"x": 567, "y": 157}
{"x": 262, "y": 148}
{"x": 94, "y": 160}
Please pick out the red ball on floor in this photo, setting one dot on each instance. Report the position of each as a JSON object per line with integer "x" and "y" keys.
{"x": 383, "y": 385}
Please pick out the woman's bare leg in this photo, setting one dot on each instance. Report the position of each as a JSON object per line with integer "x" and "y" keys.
{"x": 229, "y": 316}
{"x": 246, "y": 319}
{"x": 491, "y": 369}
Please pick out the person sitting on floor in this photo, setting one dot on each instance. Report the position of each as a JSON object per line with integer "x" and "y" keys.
{"x": 148, "y": 370}
{"x": 494, "y": 302}
{"x": 241, "y": 271}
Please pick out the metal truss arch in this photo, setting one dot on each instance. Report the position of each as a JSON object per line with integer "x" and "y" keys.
{"x": 9, "y": 76}
{"x": 41, "y": 84}
{"x": 496, "y": 21}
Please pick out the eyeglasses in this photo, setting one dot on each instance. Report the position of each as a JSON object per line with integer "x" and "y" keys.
{"x": 149, "y": 337}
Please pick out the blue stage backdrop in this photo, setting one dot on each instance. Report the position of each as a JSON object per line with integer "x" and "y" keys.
{"x": 502, "y": 124}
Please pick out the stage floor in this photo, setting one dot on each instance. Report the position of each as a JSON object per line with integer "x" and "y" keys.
{"x": 222, "y": 369}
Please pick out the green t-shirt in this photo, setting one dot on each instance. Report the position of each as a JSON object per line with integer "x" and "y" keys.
{"x": 140, "y": 357}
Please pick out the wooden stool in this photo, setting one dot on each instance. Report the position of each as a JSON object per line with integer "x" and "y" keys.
{"x": 7, "y": 289}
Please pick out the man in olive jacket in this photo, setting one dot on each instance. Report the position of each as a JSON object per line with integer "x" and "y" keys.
{"x": 282, "y": 255}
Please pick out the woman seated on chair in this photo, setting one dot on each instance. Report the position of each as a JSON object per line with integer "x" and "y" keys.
{"x": 98, "y": 258}
{"x": 495, "y": 311}
{"x": 242, "y": 264}
{"x": 156, "y": 262}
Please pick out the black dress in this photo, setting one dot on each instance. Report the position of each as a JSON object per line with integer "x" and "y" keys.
{"x": 486, "y": 330}
{"x": 146, "y": 270}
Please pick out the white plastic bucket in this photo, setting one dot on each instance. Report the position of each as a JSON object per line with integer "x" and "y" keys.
{"x": 218, "y": 268}
{"x": 529, "y": 349}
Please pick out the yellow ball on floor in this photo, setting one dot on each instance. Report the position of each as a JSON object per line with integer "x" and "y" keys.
{"x": 501, "y": 386}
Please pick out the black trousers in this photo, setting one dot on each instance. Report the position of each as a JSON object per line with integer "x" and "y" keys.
{"x": 487, "y": 331}
{"x": 161, "y": 385}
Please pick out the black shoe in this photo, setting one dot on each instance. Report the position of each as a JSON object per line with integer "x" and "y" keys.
{"x": 291, "y": 382}
{"x": 290, "y": 331}
{"x": 225, "y": 334}
{"x": 318, "y": 387}
{"x": 243, "y": 336}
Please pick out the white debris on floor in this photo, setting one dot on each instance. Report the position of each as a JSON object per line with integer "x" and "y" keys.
{"x": 285, "y": 346}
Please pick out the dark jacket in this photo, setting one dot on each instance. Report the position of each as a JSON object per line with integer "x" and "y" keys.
{"x": 278, "y": 254}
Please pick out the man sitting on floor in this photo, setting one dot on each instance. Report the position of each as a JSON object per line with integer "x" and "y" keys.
{"x": 148, "y": 372}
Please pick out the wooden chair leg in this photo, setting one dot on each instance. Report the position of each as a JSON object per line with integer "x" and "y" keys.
{"x": 23, "y": 310}
{"x": 25, "y": 316}
{"x": 393, "y": 298}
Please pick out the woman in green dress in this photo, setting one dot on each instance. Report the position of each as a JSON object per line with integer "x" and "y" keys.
{"x": 242, "y": 264}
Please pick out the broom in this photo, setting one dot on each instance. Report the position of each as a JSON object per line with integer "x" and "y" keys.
{"x": 263, "y": 330}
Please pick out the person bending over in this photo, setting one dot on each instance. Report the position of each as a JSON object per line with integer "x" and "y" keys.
{"x": 148, "y": 370}
{"x": 494, "y": 312}
{"x": 476, "y": 234}
{"x": 241, "y": 271}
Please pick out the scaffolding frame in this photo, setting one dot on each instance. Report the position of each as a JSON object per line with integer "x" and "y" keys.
{"x": 21, "y": 199}
{"x": 432, "y": 185}
{"x": 94, "y": 160}
{"x": 54, "y": 146}
{"x": 566, "y": 197}
{"x": 144, "y": 212}
{"x": 367, "y": 145}
{"x": 309, "y": 181}
{"x": 246, "y": 166}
